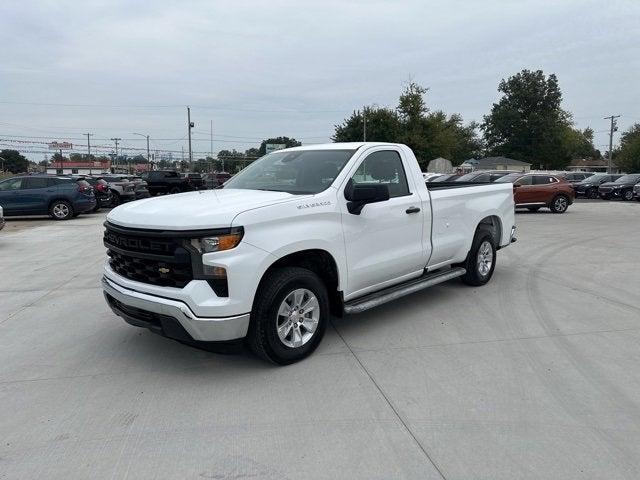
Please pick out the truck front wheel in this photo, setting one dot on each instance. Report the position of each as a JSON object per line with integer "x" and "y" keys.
{"x": 289, "y": 315}
{"x": 481, "y": 260}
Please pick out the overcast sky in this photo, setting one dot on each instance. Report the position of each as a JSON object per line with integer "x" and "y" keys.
{"x": 296, "y": 68}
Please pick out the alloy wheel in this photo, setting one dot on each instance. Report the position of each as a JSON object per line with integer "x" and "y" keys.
{"x": 298, "y": 318}
{"x": 60, "y": 210}
{"x": 561, "y": 204}
{"x": 485, "y": 258}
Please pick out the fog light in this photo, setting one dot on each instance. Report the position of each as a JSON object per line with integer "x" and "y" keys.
{"x": 214, "y": 272}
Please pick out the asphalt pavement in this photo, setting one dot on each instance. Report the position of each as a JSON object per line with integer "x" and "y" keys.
{"x": 533, "y": 376}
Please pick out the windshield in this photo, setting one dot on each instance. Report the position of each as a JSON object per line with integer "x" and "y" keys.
{"x": 595, "y": 178}
{"x": 629, "y": 178}
{"x": 297, "y": 171}
{"x": 512, "y": 177}
{"x": 467, "y": 177}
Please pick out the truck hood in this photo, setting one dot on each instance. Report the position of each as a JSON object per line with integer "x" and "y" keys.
{"x": 194, "y": 210}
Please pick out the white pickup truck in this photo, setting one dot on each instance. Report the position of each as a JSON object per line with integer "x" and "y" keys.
{"x": 298, "y": 235}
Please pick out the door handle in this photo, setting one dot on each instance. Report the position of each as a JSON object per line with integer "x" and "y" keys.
{"x": 412, "y": 210}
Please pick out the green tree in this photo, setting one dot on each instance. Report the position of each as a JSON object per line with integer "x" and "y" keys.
{"x": 429, "y": 134}
{"x": 252, "y": 153}
{"x": 528, "y": 122}
{"x": 289, "y": 142}
{"x": 627, "y": 155}
{"x": 12, "y": 161}
{"x": 57, "y": 157}
{"x": 383, "y": 125}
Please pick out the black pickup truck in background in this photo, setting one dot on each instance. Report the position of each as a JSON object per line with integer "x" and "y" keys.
{"x": 166, "y": 181}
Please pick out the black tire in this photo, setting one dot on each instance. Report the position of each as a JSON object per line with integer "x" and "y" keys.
{"x": 533, "y": 209}
{"x": 115, "y": 199}
{"x": 263, "y": 338}
{"x": 61, "y": 210}
{"x": 627, "y": 195}
{"x": 592, "y": 193}
{"x": 474, "y": 276}
{"x": 559, "y": 204}
{"x": 175, "y": 190}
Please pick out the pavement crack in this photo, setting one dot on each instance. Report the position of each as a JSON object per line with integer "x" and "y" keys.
{"x": 391, "y": 406}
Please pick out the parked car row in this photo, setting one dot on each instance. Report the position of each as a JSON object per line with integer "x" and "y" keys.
{"x": 555, "y": 190}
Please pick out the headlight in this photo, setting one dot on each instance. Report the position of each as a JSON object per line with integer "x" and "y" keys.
{"x": 218, "y": 243}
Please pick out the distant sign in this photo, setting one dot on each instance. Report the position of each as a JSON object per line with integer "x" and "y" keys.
{"x": 60, "y": 146}
{"x": 272, "y": 147}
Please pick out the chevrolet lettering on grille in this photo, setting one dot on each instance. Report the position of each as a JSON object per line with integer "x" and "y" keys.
{"x": 139, "y": 244}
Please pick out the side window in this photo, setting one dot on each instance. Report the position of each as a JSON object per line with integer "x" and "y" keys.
{"x": 12, "y": 184}
{"x": 484, "y": 178}
{"x": 35, "y": 182}
{"x": 171, "y": 174}
{"x": 383, "y": 167}
{"x": 542, "y": 180}
{"x": 526, "y": 180}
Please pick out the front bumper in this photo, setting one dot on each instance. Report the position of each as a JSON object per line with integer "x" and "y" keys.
{"x": 171, "y": 318}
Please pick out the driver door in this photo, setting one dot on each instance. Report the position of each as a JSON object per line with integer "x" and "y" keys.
{"x": 384, "y": 242}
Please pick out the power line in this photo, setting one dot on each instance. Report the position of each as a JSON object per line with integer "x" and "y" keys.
{"x": 206, "y": 107}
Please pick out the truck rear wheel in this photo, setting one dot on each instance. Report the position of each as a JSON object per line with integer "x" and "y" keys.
{"x": 289, "y": 315}
{"x": 481, "y": 260}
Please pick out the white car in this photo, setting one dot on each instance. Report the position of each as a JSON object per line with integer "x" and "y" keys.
{"x": 298, "y": 235}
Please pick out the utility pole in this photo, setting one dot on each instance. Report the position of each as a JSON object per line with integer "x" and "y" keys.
{"x": 614, "y": 128}
{"x": 88, "y": 143}
{"x": 364, "y": 124}
{"x": 116, "y": 140}
{"x": 190, "y": 125}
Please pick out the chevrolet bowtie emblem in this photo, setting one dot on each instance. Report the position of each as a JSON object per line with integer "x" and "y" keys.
{"x": 163, "y": 270}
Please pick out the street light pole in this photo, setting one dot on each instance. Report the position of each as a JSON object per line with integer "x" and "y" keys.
{"x": 147, "y": 137}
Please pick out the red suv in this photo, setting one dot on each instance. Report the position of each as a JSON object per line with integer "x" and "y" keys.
{"x": 536, "y": 190}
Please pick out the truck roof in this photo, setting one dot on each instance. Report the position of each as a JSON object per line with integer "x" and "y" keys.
{"x": 341, "y": 146}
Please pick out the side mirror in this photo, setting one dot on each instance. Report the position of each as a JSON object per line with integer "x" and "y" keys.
{"x": 516, "y": 185}
{"x": 359, "y": 195}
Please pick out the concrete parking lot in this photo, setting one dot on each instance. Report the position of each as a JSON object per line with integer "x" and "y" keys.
{"x": 536, "y": 375}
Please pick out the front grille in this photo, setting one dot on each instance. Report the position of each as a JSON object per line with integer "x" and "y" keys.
{"x": 155, "y": 272}
{"x": 148, "y": 258}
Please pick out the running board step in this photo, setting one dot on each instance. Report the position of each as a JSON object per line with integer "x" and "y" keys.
{"x": 397, "y": 291}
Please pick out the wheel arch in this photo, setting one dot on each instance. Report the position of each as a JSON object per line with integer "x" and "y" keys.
{"x": 319, "y": 261}
{"x": 494, "y": 225}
